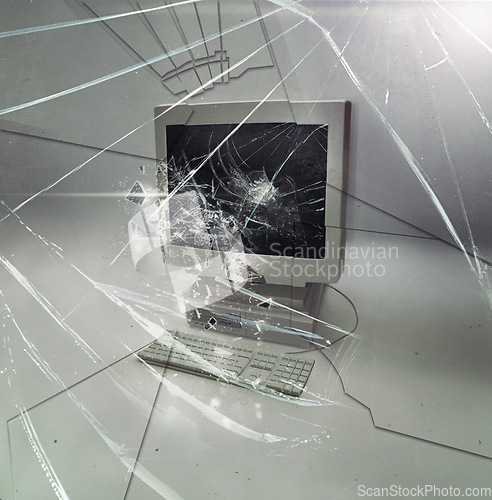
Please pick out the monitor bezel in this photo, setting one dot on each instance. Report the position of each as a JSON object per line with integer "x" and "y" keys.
{"x": 333, "y": 114}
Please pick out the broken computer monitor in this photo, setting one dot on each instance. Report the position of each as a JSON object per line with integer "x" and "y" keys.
{"x": 252, "y": 211}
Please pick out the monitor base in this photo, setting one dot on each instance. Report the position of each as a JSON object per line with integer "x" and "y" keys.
{"x": 272, "y": 313}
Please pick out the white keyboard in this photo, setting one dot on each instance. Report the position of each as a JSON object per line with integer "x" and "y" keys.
{"x": 199, "y": 355}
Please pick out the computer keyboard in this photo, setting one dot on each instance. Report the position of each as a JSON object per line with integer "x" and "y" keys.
{"x": 199, "y": 355}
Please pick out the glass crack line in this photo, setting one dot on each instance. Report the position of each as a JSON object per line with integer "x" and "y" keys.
{"x": 69, "y": 24}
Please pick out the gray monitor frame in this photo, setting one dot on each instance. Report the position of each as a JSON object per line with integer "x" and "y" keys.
{"x": 336, "y": 116}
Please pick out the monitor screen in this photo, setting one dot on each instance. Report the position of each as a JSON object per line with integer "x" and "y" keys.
{"x": 256, "y": 184}
{"x": 263, "y": 182}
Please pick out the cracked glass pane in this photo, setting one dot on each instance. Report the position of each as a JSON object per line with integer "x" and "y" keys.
{"x": 245, "y": 249}
{"x": 264, "y": 181}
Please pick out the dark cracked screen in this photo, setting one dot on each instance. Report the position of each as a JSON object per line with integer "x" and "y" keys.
{"x": 262, "y": 183}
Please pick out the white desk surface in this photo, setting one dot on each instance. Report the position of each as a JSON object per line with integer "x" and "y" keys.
{"x": 404, "y": 401}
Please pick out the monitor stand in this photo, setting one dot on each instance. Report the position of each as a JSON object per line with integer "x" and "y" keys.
{"x": 273, "y": 313}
